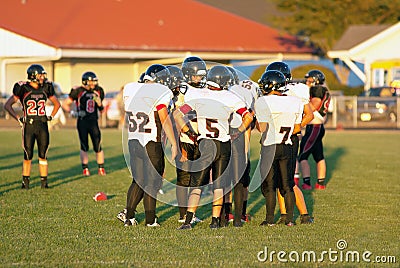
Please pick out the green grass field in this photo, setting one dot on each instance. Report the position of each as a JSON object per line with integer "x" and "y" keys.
{"x": 63, "y": 226}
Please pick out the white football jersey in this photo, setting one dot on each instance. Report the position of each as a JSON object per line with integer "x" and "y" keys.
{"x": 214, "y": 109}
{"x": 299, "y": 90}
{"x": 281, "y": 113}
{"x": 142, "y": 102}
{"x": 248, "y": 91}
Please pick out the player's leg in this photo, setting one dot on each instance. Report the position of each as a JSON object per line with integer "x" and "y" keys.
{"x": 183, "y": 179}
{"x": 95, "y": 136}
{"x": 220, "y": 175}
{"x": 154, "y": 169}
{"x": 28, "y": 139}
{"x": 306, "y": 147}
{"x": 135, "y": 191}
{"x": 43, "y": 140}
{"x": 268, "y": 186}
{"x": 84, "y": 145}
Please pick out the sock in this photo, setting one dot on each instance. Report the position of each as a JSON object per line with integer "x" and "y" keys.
{"x": 228, "y": 208}
{"x": 43, "y": 178}
{"x": 306, "y": 180}
{"x": 101, "y": 165}
{"x": 134, "y": 196}
{"x": 189, "y": 217}
{"x": 85, "y": 166}
{"x": 321, "y": 181}
{"x": 25, "y": 177}
{"x": 238, "y": 199}
{"x": 149, "y": 203}
{"x": 297, "y": 175}
{"x": 244, "y": 208}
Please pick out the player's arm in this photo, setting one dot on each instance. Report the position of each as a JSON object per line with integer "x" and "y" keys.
{"x": 56, "y": 105}
{"x": 66, "y": 104}
{"x": 8, "y": 106}
{"x": 168, "y": 128}
{"x": 181, "y": 125}
{"x": 308, "y": 114}
{"x": 262, "y": 126}
{"x": 316, "y": 102}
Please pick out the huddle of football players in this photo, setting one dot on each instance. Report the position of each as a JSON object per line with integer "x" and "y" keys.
{"x": 207, "y": 115}
{"x": 211, "y": 116}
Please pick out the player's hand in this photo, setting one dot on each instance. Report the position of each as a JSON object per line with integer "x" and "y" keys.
{"x": 21, "y": 121}
{"x": 49, "y": 118}
{"x": 81, "y": 113}
{"x": 192, "y": 136}
{"x": 97, "y": 99}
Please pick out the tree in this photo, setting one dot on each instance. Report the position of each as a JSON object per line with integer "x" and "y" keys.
{"x": 321, "y": 23}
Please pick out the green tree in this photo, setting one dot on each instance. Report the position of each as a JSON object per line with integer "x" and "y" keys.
{"x": 323, "y": 22}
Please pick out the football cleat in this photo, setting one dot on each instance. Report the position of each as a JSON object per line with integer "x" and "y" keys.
{"x": 86, "y": 172}
{"x": 154, "y": 224}
{"x": 246, "y": 218}
{"x": 229, "y": 217}
{"x": 238, "y": 224}
{"x": 130, "y": 222}
{"x": 122, "y": 215}
{"x": 319, "y": 186}
{"x": 290, "y": 224}
{"x": 185, "y": 227}
{"x": 215, "y": 223}
{"x": 182, "y": 220}
{"x": 306, "y": 219}
{"x": 265, "y": 223}
{"x": 43, "y": 184}
{"x": 25, "y": 184}
{"x": 282, "y": 219}
{"x": 306, "y": 186}
{"x": 102, "y": 172}
{"x": 195, "y": 219}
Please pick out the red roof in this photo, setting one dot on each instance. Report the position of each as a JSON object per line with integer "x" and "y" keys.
{"x": 162, "y": 25}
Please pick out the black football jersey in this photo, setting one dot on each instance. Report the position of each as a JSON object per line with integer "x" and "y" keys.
{"x": 322, "y": 93}
{"x": 84, "y": 100}
{"x": 33, "y": 100}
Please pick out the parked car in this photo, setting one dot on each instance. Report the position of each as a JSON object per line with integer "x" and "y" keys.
{"x": 112, "y": 103}
{"x": 378, "y": 103}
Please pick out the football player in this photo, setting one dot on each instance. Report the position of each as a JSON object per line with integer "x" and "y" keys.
{"x": 278, "y": 116}
{"x": 146, "y": 105}
{"x": 311, "y": 143}
{"x": 301, "y": 91}
{"x": 214, "y": 106}
{"x": 239, "y": 164}
{"x": 88, "y": 99}
{"x": 189, "y": 78}
{"x": 32, "y": 95}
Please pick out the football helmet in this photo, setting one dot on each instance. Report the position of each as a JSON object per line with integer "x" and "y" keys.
{"x": 194, "y": 66}
{"x": 34, "y": 70}
{"x": 234, "y": 75}
{"x": 141, "y": 78}
{"x": 88, "y": 76}
{"x": 317, "y": 76}
{"x": 282, "y": 67}
{"x": 158, "y": 73}
{"x": 176, "y": 78}
{"x": 272, "y": 80}
{"x": 219, "y": 76}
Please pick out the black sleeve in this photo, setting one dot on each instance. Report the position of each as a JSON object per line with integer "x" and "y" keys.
{"x": 318, "y": 92}
{"x": 49, "y": 89}
{"x": 18, "y": 90}
{"x": 74, "y": 93}
{"x": 101, "y": 91}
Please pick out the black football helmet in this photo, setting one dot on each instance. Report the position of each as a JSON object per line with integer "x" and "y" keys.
{"x": 272, "y": 80}
{"x": 88, "y": 76}
{"x": 219, "y": 76}
{"x": 194, "y": 66}
{"x": 234, "y": 75}
{"x": 317, "y": 76}
{"x": 158, "y": 73}
{"x": 176, "y": 78}
{"x": 140, "y": 80}
{"x": 282, "y": 67}
{"x": 34, "y": 70}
